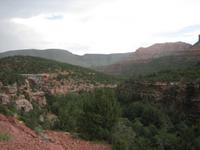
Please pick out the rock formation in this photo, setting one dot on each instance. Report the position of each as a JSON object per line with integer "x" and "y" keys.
{"x": 159, "y": 50}
{"x": 23, "y": 105}
{"x": 36, "y": 86}
{"x": 196, "y": 46}
{"x": 4, "y": 99}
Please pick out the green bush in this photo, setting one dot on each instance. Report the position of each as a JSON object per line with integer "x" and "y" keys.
{"x": 32, "y": 118}
{"x": 8, "y": 110}
{"x": 4, "y": 137}
{"x": 146, "y": 113}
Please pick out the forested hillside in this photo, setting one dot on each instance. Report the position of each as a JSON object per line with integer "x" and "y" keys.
{"x": 87, "y": 60}
{"x": 12, "y": 67}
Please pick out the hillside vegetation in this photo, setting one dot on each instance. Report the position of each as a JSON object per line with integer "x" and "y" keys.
{"x": 87, "y": 60}
{"x": 189, "y": 74}
{"x": 12, "y": 67}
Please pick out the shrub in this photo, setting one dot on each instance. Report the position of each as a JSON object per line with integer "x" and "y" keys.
{"x": 4, "y": 137}
{"x": 32, "y": 118}
{"x": 8, "y": 110}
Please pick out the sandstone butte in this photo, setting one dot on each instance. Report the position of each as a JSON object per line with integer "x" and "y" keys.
{"x": 196, "y": 46}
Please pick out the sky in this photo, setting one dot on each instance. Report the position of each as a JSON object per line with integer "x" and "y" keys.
{"x": 96, "y": 26}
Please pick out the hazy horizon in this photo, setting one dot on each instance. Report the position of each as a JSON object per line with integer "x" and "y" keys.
{"x": 96, "y": 27}
{"x": 91, "y": 52}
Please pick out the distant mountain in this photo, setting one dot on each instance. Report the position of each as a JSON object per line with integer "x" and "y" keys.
{"x": 117, "y": 64}
{"x": 93, "y": 60}
{"x": 152, "y": 59}
{"x": 159, "y": 50}
{"x": 88, "y": 60}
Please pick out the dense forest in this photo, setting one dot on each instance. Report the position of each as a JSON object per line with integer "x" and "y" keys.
{"x": 102, "y": 115}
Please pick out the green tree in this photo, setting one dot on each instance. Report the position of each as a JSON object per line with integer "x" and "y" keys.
{"x": 68, "y": 109}
{"x": 123, "y": 135}
{"x": 100, "y": 113}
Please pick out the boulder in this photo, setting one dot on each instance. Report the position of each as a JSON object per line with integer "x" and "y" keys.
{"x": 39, "y": 97}
{"x": 51, "y": 119}
{"x": 24, "y": 105}
{"x": 11, "y": 90}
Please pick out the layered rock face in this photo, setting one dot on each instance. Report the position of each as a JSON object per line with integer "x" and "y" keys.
{"x": 22, "y": 96}
{"x": 36, "y": 86}
{"x": 159, "y": 50}
{"x": 196, "y": 46}
{"x": 60, "y": 84}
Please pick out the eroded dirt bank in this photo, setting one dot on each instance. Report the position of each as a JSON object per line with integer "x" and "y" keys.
{"x": 23, "y": 138}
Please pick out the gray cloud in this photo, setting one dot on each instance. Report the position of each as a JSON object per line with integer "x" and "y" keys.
{"x": 25, "y": 8}
{"x": 101, "y": 26}
{"x": 13, "y": 37}
{"x": 16, "y": 37}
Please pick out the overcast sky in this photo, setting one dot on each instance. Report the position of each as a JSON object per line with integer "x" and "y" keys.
{"x": 96, "y": 26}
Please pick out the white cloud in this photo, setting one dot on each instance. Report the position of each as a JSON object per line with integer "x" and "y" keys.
{"x": 113, "y": 26}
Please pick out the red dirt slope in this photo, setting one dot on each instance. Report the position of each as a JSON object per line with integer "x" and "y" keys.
{"x": 23, "y": 138}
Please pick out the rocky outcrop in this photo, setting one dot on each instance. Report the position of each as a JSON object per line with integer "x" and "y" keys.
{"x": 4, "y": 99}
{"x": 59, "y": 84}
{"x": 23, "y": 105}
{"x": 39, "y": 98}
{"x": 196, "y": 46}
{"x": 158, "y": 50}
{"x": 10, "y": 89}
{"x": 36, "y": 86}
